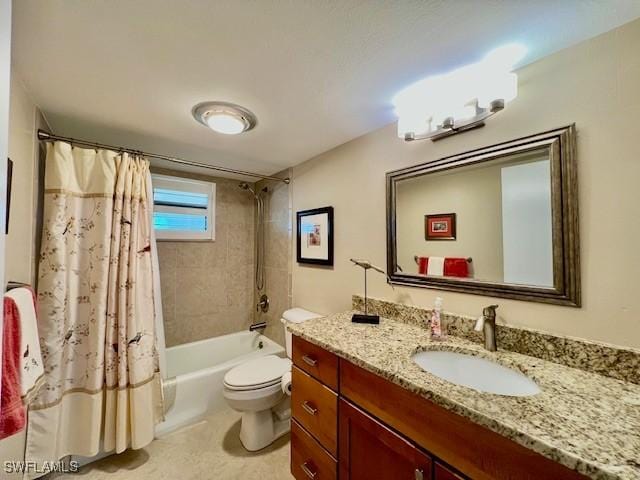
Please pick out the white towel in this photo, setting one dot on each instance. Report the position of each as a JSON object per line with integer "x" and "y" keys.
{"x": 435, "y": 266}
{"x": 31, "y": 368}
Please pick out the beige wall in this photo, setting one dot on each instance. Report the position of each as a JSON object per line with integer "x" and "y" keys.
{"x": 278, "y": 262}
{"x": 475, "y": 197}
{"x": 21, "y": 243}
{"x": 12, "y": 447}
{"x": 594, "y": 84}
{"x": 5, "y": 82}
{"x": 24, "y": 150}
{"x": 207, "y": 287}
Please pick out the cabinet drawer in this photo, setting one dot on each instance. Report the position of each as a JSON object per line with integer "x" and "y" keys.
{"x": 315, "y": 407}
{"x": 316, "y": 361}
{"x": 308, "y": 459}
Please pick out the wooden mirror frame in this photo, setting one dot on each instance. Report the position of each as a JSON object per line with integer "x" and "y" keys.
{"x": 561, "y": 143}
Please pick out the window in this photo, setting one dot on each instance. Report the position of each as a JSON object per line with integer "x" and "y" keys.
{"x": 183, "y": 209}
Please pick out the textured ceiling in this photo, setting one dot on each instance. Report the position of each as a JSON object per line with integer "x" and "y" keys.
{"x": 317, "y": 73}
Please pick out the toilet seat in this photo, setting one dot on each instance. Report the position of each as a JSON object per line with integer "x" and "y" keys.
{"x": 255, "y": 394}
{"x": 257, "y": 374}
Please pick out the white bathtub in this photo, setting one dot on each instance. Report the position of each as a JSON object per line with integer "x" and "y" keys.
{"x": 195, "y": 372}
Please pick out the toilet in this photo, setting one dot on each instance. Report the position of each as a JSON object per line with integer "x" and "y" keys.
{"x": 255, "y": 389}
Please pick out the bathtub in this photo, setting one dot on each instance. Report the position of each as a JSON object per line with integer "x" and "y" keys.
{"x": 195, "y": 372}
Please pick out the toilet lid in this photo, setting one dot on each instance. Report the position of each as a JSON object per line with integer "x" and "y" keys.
{"x": 258, "y": 373}
{"x": 299, "y": 315}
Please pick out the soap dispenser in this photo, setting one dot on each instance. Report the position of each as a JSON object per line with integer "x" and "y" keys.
{"x": 437, "y": 327}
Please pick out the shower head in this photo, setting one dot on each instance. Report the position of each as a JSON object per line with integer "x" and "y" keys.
{"x": 245, "y": 186}
{"x": 256, "y": 195}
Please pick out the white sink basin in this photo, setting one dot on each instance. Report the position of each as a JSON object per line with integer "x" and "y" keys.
{"x": 476, "y": 372}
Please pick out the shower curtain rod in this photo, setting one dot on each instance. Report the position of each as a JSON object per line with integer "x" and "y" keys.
{"x": 46, "y": 137}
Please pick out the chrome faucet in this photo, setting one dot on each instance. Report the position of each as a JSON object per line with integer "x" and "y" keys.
{"x": 487, "y": 323}
{"x": 257, "y": 326}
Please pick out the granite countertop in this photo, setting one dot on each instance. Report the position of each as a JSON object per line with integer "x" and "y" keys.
{"x": 588, "y": 422}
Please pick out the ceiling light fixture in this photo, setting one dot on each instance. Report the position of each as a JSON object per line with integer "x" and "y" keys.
{"x": 443, "y": 105}
{"x": 224, "y": 117}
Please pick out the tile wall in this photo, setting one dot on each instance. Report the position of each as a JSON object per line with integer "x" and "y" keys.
{"x": 207, "y": 287}
{"x": 278, "y": 256}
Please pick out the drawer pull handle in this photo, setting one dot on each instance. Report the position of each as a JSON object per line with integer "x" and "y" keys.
{"x": 307, "y": 468}
{"x": 312, "y": 362}
{"x": 419, "y": 474}
{"x": 309, "y": 408}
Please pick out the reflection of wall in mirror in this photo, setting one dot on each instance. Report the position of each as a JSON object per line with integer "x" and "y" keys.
{"x": 521, "y": 254}
{"x": 474, "y": 196}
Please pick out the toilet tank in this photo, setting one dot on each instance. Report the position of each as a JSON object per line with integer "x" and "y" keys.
{"x": 295, "y": 315}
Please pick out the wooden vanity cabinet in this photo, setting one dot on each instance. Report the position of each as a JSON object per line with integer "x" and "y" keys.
{"x": 352, "y": 424}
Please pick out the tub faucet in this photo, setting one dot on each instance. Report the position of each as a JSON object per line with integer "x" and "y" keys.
{"x": 487, "y": 323}
{"x": 257, "y": 326}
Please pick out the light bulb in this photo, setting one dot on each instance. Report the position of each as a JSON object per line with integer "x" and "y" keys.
{"x": 412, "y": 124}
{"x": 503, "y": 86}
{"x": 226, "y": 123}
{"x": 505, "y": 57}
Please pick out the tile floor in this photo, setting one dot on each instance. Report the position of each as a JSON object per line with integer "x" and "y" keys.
{"x": 209, "y": 449}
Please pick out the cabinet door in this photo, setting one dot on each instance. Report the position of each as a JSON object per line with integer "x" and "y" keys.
{"x": 371, "y": 451}
{"x": 442, "y": 472}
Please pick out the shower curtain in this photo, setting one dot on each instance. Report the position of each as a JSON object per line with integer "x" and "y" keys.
{"x": 97, "y": 311}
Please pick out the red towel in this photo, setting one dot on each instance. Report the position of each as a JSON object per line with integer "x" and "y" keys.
{"x": 456, "y": 267}
{"x": 423, "y": 262}
{"x": 12, "y": 412}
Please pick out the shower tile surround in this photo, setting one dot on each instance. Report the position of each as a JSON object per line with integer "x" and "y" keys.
{"x": 207, "y": 286}
{"x": 278, "y": 256}
{"x": 600, "y": 358}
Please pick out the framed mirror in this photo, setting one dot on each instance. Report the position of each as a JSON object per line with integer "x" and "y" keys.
{"x": 500, "y": 221}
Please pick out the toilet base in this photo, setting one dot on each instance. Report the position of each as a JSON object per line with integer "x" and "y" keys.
{"x": 260, "y": 429}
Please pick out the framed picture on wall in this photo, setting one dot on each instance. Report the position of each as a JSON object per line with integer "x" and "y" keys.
{"x": 440, "y": 226}
{"x": 315, "y": 236}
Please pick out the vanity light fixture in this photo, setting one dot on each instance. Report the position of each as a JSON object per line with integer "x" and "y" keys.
{"x": 443, "y": 105}
{"x": 224, "y": 117}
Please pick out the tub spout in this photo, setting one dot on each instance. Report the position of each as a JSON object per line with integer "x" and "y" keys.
{"x": 257, "y": 326}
